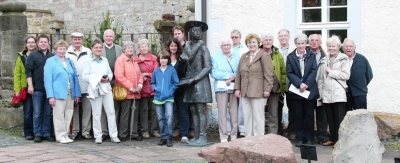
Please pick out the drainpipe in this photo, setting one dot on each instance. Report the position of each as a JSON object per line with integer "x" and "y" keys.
{"x": 204, "y": 18}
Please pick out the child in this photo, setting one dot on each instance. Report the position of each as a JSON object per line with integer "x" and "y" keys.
{"x": 163, "y": 83}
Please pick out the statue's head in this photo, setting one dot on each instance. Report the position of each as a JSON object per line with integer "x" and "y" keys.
{"x": 196, "y": 29}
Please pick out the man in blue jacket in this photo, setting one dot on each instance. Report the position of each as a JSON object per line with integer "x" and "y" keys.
{"x": 360, "y": 76}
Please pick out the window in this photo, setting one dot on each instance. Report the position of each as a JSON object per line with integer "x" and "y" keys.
{"x": 325, "y": 17}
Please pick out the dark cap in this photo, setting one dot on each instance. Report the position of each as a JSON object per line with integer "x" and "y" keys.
{"x": 192, "y": 23}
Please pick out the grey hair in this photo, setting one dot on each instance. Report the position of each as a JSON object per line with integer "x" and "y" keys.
{"x": 333, "y": 40}
{"x": 237, "y": 32}
{"x": 320, "y": 37}
{"x": 284, "y": 30}
{"x": 109, "y": 30}
{"x": 347, "y": 39}
{"x": 96, "y": 41}
{"x": 301, "y": 37}
{"x": 225, "y": 39}
{"x": 263, "y": 35}
{"x": 143, "y": 41}
{"x": 128, "y": 43}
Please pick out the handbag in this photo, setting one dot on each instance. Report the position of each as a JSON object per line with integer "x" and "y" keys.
{"x": 275, "y": 85}
{"x": 119, "y": 92}
{"x": 23, "y": 94}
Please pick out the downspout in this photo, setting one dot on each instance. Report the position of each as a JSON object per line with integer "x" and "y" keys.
{"x": 204, "y": 18}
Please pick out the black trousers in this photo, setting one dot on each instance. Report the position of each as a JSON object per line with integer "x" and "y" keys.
{"x": 304, "y": 118}
{"x": 291, "y": 114}
{"x": 322, "y": 123}
{"x": 281, "y": 103}
{"x": 335, "y": 113}
{"x": 356, "y": 102}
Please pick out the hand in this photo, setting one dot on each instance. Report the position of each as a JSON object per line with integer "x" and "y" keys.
{"x": 303, "y": 87}
{"x": 17, "y": 94}
{"x": 232, "y": 78}
{"x": 328, "y": 69}
{"x": 77, "y": 99}
{"x": 238, "y": 93}
{"x": 266, "y": 94}
{"x": 52, "y": 101}
{"x": 30, "y": 90}
{"x": 104, "y": 80}
{"x": 228, "y": 82}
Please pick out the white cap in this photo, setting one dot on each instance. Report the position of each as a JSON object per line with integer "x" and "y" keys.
{"x": 76, "y": 34}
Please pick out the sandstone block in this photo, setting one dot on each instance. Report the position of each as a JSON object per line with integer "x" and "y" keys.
{"x": 388, "y": 124}
{"x": 358, "y": 139}
{"x": 269, "y": 148}
{"x": 11, "y": 117}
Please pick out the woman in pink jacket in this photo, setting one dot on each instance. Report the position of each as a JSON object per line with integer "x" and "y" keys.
{"x": 127, "y": 73}
{"x": 147, "y": 64}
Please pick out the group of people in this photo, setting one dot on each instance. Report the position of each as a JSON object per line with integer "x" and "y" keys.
{"x": 250, "y": 80}
{"x": 329, "y": 83}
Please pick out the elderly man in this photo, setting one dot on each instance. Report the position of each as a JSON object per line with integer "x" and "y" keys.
{"x": 42, "y": 119}
{"x": 111, "y": 51}
{"x": 79, "y": 55}
{"x": 360, "y": 76}
{"x": 285, "y": 49}
{"x": 320, "y": 114}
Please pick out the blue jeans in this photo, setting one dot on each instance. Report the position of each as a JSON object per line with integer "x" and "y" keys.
{"x": 183, "y": 114}
{"x": 28, "y": 116}
{"x": 42, "y": 117}
{"x": 165, "y": 119}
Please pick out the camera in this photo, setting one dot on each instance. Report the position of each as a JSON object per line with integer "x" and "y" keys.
{"x": 105, "y": 76}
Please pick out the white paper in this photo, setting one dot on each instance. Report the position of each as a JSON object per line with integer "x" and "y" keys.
{"x": 295, "y": 90}
{"x": 222, "y": 84}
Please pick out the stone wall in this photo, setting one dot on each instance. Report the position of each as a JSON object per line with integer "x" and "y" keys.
{"x": 136, "y": 16}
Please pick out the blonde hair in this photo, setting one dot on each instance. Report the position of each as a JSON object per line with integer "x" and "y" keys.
{"x": 60, "y": 43}
{"x": 251, "y": 36}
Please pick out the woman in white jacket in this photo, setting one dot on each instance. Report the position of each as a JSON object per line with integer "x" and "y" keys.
{"x": 97, "y": 74}
{"x": 333, "y": 71}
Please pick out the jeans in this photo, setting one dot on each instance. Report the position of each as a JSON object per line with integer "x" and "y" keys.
{"x": 42, "y": 118}
{"x": 183, "y": 114}
{"x": 165, "y": 119}
{"x": 28, "y": 116}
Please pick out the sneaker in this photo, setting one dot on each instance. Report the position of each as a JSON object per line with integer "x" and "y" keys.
{"x": 50, "y": 138}
{"x": 146, "y": 135}
{"x": 162, "y": 142}
{"x": 72, "y": 137}
{"x": 242, "y": 134}
{"x": 224, "y": 140}
{"x": 184, "y": 139}
{"x": 37, "y": 139}
{"x": 98, "y": 141}
{"x": 156, "y": 134}
{"x": 87, "y": 136}
{"x": 29, "y": 137}
{"x": 64, "y": 141}
{"x": 115, "y": 140}
{"x": 169, "y": 143}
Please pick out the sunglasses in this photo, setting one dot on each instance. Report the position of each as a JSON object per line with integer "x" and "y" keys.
{"x": 234, "y": 37}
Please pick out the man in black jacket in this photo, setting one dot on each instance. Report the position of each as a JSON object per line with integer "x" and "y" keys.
{"x": 360, "y": 76}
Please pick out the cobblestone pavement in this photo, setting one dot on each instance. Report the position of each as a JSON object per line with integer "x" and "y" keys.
{"x": 17, "y": 149}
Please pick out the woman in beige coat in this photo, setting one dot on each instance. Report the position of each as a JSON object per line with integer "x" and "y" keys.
{"x": 254, "y": 81}
{"x": 333, "y": 71}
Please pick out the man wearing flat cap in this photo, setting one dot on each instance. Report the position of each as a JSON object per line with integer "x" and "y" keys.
{"x": 198, "y": 88}
{"x": 79, "y": 54}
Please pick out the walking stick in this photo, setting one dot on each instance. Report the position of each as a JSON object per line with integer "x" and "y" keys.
{"x": 132, "y": 116}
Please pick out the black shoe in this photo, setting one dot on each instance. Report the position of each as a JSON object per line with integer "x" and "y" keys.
{"x": 37, "y": 139}
{"x": 50, "y": 138}
{"x": 309, "y": 143}
{"x": 322, "y": 141}
{"x": 137, "y": 138}
{"x": 162, "y": 142}
{"x": 103, "y": 137}
{"x": 122, "y": 139}
{"x": 29, "y": 137}
{"x": 169, "y": 143}
{"x": 299, "y": 143}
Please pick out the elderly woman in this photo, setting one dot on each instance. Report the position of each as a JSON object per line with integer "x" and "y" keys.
{"x": 333, "y": 71}
{"x": 21, "y": 83}
{"x": 301, "y": 70}
{"x": 253, "y": 82}
{"x": 175, "y": 49}
{"x": 147, "y": 63}
{"x": 224, "y": 69}
{"x": 97, "y": 74}
{"x": 62, "y": 90}
{"x": 278, "y": 63}
{"x": 127, "y": 73}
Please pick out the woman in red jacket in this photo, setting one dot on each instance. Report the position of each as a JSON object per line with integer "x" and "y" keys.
{"x": 147, "y": 64}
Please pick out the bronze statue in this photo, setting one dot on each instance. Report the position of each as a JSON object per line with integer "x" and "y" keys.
{"x": 197, "y": 81}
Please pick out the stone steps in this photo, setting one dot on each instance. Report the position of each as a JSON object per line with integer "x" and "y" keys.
{"x": 5, "y": 98}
